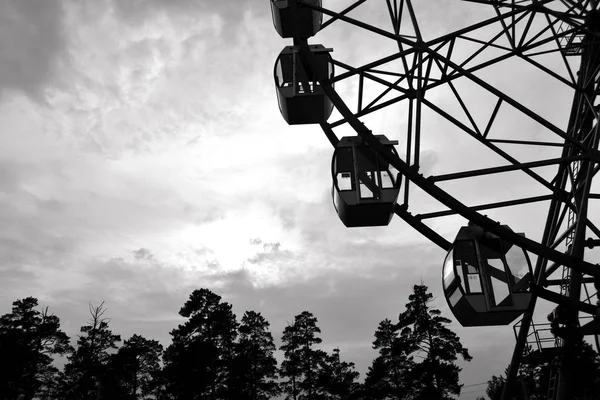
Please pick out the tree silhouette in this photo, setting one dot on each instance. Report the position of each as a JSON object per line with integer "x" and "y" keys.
{"x": 198, "y": 361}
{"x": 532, "y": 381}
{"x": 587, "y": 373}
{"x": 535, "y": 378}
{"x": 338, "y": 377}
{"x": 254, "y": 369}
{"x": 495, "y": 387}
{"x": 388, "y": 376}
{"x": 301, "y": 362}
{"x": 134, "y": 369}
{"x": 87, "y": 368}
{"x": 28, "y": 340}
{"x": 437, "y": 374}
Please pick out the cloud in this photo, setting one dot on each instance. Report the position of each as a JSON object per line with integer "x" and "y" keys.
{"x": 33, "y": 46}
{"x": 137, "y": 10}
{"x": 142, "y": 254}
{"x": 271, "y": 251}
{"x": 256, "y": 241}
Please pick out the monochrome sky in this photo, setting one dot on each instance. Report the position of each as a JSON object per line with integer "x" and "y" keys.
{"x": 143, "y": 155}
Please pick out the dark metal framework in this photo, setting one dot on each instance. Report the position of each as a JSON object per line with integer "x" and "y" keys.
{"x": 533, "y": 32}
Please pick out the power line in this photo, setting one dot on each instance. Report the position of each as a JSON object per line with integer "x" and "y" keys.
{"x": 476, "y": 384}
{"x": 471, "y": 391}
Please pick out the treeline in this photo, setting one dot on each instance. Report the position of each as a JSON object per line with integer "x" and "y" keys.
{"x": 537, "y": 380}
{"x": 214, "y": 356}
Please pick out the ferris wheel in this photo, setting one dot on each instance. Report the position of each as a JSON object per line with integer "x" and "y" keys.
{"x": 538, "y": 128}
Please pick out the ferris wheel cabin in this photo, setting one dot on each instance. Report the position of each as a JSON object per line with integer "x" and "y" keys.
{"x": 485, "y": 278}
{"x": 365, "y": 186}
{"x": 308, "y": 20}
{"x": 300, "y": 96}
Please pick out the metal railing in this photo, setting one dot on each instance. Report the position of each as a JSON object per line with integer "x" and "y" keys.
{"x": 539, "y": 337}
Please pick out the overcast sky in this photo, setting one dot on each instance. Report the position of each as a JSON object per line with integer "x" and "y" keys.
{"x": 143, "y": 155}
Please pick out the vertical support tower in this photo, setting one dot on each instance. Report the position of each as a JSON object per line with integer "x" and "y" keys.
{"x": 583, "y": 126}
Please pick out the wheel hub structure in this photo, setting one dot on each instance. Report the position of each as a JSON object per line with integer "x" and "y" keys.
{"x": 494, "y": 104}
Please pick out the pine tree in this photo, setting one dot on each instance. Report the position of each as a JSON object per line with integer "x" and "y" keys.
{"x": 423, "y": 327}
{"x": 135, "y": 367}
{"x": 87, "y": 368}
{"x": 388, "y": 377}
{"x": 198, "y": 361}
{"x": 495, "y": 386}
{"x": 301, "y": 362}
{"x": 337, "y": 377}
{"x": 28, "y": 341}
{"x": 254, "y": 370}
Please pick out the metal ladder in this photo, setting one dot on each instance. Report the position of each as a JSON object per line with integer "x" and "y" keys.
{"x": 553, "y": 383}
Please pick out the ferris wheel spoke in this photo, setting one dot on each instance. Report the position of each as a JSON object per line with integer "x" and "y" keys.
{"x": 529, "y": 142}
{"x": 390, "y": 86}
{"x": 492, "y": 119}
{"x": 532, "y": 15}
{"x": 573, "y": 5}
{"x": 476, "y": 133}
{"x": 479, "y": 25}
{"x": 413, "y": 19}
{"x": 578, "y": 28}
{"x": 508, "y": 29}
{"x": 488, "y": 206}
{"x": 593, "y": 228}
{"x": 560, "y": 28}
{"x": 449, "y": 201}
{"x": 555, "y": 34}
{"x": 357, "y": 70}
{"x": 547, "y": 70}
{"x": 506, "y": 168}
{"x": 520, "y": 52}
{"x": 562, "y": 300}
{"x": 357, "y": 23}
{"x": 484, "y": 44}
{"x": 420, "y": 94}
{"x": 490, "y": 145}
{"x": 465, "y": 109}
{"x": 395, "y": 14}
{"x": 458, "y": 72}
{"x": 343, "y": 12}
{"x": 594, "y": 154}
{"x": 522, "y": 49}
{"x": 409, "y": 138}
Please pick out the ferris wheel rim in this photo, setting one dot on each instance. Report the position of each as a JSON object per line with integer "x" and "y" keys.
{"x": 545, "y": 252}
{"x": 430, "y": 188}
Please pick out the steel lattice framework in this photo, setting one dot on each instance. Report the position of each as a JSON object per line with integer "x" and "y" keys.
{"x": 558, "y": 39}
